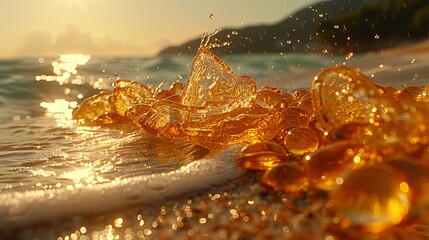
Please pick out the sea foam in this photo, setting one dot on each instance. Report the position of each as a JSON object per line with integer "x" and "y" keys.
{"x": 20, "y": 209}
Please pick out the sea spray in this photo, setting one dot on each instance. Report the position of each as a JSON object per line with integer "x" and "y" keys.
{"x": 21, "y": 209}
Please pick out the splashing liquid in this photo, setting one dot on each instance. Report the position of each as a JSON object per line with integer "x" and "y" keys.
{"x": 292, "y": 138}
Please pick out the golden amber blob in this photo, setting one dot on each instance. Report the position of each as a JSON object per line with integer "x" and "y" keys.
{"x": 371, "y": 198}
{"x": 213, "y": 84}
{"x": 390, "y": 137}
{"x": 307, "y": 104}
{"x": 326, "y": 164}
{"x": 163, "y": 94}
{"x": 287, "y": 177}
{"x": 301, "y": 140}
{"x": 242, "y": 125}
{"x": 262, "y": 156}
{"x": 342, "y": 95}
{"x": 93, "y": 108}
{"x": 417, "y": 176}
{"x": 412, "y": 92}
{"x": 350, "y": 131}
{"x": 301, "y": 94}
{"x": 424, "y": 95}
{"x": 290, "y": 121}
{"x": 177, "y": 88}
{"x": 269, "y": 99}
{"x": 164, "y": 119}
{"x": 136, "y": 112}
{"x": 126, "y": 93}
{"x": 302, "y": 113}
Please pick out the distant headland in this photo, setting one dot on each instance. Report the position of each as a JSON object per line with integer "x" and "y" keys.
{"x": 335, "y": 26}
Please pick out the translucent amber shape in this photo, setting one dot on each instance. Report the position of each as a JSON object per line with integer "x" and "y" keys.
{"x": 93, "y": 108}
{"x": 424, "y": 95}
{"x": 290, "y": 121}
{"x": 268, "y": 99}
{"x": 301, "y": 94}
{"x": 242, "y": 125}
{"x": 342, "y": 95}
{"x": 417, "y": 176}
{"x": 301, "y": 140}
{"x": 127, "y": 93}
{"x": 307, "y": 104}
{"x": 302, "y": 113}
{"x": 326, "y": 164}
{"x": 262, "y": 156}
{"x": 163, "y": 94}
{"x": 412, "y": 92}
{"x": 390, "y": 137}
{"x": 164, "y": 119}
{"x": 213, "y": 84}
{"x": 287, "y": 177}
{"x": 177, "y": 88}
{"x": 136, "y": 112}
{"x": 372, "y": 198}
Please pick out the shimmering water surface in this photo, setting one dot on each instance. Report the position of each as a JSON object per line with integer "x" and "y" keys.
{"x": 40, "y": 146}
{"x": 42, "y": 150}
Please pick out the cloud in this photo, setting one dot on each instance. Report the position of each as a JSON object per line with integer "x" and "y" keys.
{"x": 73, "y": 40}
{"x": 39, "y": 41}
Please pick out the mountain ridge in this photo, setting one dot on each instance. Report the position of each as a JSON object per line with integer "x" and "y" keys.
{"x": 297, "y": 32}
{"x": 335, "y": 27}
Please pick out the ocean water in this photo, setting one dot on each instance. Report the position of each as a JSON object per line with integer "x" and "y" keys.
{"x": 51, "y": 169}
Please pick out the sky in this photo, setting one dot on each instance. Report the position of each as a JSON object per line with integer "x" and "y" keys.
{"x": 44, "y": 28}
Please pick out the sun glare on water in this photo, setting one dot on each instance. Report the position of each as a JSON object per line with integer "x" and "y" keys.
{"x": 65, "y": 72}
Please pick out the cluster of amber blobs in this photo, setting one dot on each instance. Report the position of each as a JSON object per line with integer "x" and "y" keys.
{"x": 365, "y": 144}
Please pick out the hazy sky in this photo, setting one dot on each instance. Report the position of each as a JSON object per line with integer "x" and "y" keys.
{"x": 42, "y": 28}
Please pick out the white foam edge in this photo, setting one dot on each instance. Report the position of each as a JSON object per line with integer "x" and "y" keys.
{"x": 21, "y": 209}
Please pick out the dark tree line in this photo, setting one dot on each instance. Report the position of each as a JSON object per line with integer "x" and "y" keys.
{"x": 385, "y": 20}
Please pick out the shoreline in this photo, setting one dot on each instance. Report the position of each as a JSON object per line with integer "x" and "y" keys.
{"x": 393, "y": 67}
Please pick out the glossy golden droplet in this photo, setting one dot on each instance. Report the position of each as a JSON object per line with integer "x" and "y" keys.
{"x": 241, "y": 125}
{"x": 342, "y": 95}
{"x": 372, "y": 198}
{"x": 301, "y": 94}
{"x": 287, "y": 177}
{"x": 307, "y": 104}
{"x": 327, "y": 163}
{"x": 93, "y": 108}
{"x": 302, "y": 113}
{"x": 262, "y": 156}
{"x": 351, "y": 131}
{"x": 412, "y": 92}
{"x": 301, "y": 140}
{"x": 267, "y": 99}
{"x": 417, "y": 177}
{"x": 290, "y": 121}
